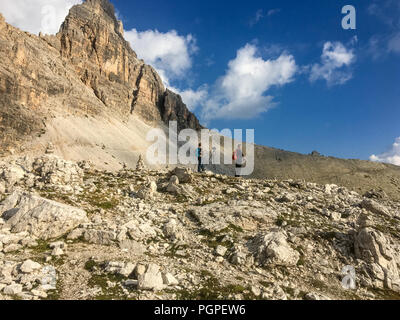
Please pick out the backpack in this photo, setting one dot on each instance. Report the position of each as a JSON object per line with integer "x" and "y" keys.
{"x": 234, "y": 156}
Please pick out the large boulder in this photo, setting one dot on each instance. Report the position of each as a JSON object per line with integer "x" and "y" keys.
{"x": 147, "y": 191}
{"x": 152, "y": 279}
{"x": 54, "y": 170}
{"x": 13, "y": 289}
{"x": 100, "y": 237}
{"x": 273, "y": 249}
{"x": 372, "y": 246}
{"x": 184, "y": 175}
{"x": 42, "y": 171}
{"x": 173, "y": 186}
{"x": 2, "y": 187}
{"x": 375, "y": 207}
{"x": 379, "y": 253}
{"x": 382, "y": 261}
{"x": 173, "y": 230}
{"x": 29, "y": 266}
{"x": 41, "y": 218}
{"x": 11, "y": 174}
{"x": 124, "y": 269}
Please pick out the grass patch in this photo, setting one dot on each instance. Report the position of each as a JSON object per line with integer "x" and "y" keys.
{"x": 107, "y": 205}
{"x": 329, "y": 236}
{"x": 101, "y": 280}
{"x": 58, "y": 262}
{"x": 55, "y": 295}
{"x": 107, "y": 293}
{"x": 172, "y": 253}
{"x": 91, "y": 265}
{"x": 289, "y": 291}
{"x": 266, "y": 284}
{"x": 192, "y": 216}
{"x": 387, "y": 229}
{"x": 215, "y": 239}
{"x": 279, "y": 221}
{"x": 39, "y": 251}
{"x": 181, "y": 198}
{"x": 386, "y": 294}
{"x": 212, "y": 289}
{"x": 302, "y": 260}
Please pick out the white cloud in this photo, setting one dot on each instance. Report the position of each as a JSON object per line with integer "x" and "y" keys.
{"x": 380, "y": 45}
{"x": 273, "y": 11}
{"x": 240, "y": 93}
{"x": 261, "y": 15}
{"x": 386, "y": 12}
{"x": 374, "y": 47}
{"x": 194, "y": 98}
{"x": 394, "y": 43}
{"x": 36, "y": 16}
{"x": 392, "y": 156}
{"x": 334, "y": 60}
{"x": 170, "y": 53}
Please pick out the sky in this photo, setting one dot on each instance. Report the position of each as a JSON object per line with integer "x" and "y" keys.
{"x": 286, "y": 69}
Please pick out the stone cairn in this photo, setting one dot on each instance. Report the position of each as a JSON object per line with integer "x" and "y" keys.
{"x": 50, "y": 149}
{"x": 140, "y": 166}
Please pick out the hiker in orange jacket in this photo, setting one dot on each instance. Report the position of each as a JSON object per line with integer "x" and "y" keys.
{"x": 239, "y": 159}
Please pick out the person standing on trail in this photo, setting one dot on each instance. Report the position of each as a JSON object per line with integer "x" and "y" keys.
{"x": 214, "y": 155}
{"x": 199, "y": 153}
{"x": 239, "y": 158}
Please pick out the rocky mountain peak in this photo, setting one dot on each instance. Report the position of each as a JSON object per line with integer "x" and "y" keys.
{"x": 88, "y": 68}
{"x": 2, "y": 22}
{"x": 173, "y": 109}
{"x": 104, "y": 5}
{"x": 93, "y": 12}
{"x": 92, "y": 38}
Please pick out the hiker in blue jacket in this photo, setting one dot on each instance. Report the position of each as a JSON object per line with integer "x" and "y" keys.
{"x": 199, "y": 154}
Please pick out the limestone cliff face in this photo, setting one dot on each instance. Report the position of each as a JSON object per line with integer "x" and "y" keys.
{"x": 87, "y": 68}
{"x": 92, "y": 40}
{"x": 173, "y": 109}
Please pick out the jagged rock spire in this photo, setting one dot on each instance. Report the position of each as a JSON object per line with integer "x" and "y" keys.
{"x": 2, "y": 21}
{"x": 140, "y": 164}
{"x": 105, "y": 5}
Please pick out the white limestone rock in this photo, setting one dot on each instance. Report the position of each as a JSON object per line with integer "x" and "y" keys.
{"x": 274, "y": 249}
{"x": 29, "y": 266}
{"x": 41, "y": 218}
{"x": 151, "y": 279}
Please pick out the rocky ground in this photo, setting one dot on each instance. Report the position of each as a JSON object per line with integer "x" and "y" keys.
{"x": 68, "y": 231}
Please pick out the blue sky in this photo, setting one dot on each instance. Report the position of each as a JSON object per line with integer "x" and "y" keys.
{"x": 285, "y": 68}
{"x": 355, "y": 119}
